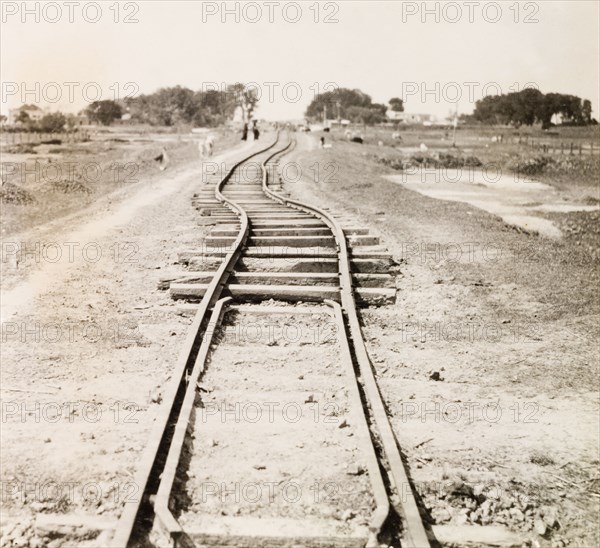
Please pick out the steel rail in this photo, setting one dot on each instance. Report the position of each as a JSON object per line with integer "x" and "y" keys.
{"x": 406, "y": 506}
{"x": 169, "y": 523}
{"x": 382, "y": 504}
{"x": 126, "y": 523}
{"x": 382, "y": 501}
{"x": 167, "y": 520}
{"x": 414, "y": 532}
{"x": 161, "y": 503}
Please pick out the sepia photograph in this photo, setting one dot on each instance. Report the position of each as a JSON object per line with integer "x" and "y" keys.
{"x": 300, "y": 274}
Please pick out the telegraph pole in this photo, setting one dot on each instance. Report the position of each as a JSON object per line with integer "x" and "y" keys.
{"x": 455, "y": 124}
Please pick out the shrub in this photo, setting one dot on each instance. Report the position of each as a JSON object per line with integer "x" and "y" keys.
{"x": 14, "y": 194}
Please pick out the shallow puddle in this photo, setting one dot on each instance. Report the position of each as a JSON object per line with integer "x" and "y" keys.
{"x": 512, "y": 197}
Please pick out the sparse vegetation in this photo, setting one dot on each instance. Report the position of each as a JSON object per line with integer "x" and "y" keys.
{"x": 21, "y": 148}
{"x": 53, "y": 122}
{"x": 104, "y": 112}
{"x": 67, "y": 186}
{"x": 14, "y": 194}
{"x": 434, "y": 160}
{"x": 541, "y": 459}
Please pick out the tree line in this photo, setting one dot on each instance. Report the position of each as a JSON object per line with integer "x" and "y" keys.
{"x": 527, "y": 107}
{"x": 350, "y": 104}
{"x": 53, "y": 122}
{"x": 531, "y": 106}
{"x": 170, "y": 106}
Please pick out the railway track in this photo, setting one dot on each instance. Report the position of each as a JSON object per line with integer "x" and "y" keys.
{"x": 269, "y": 256}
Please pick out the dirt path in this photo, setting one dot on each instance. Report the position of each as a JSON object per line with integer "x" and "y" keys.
{"x": 87, "y": 344}
{"x": 488, "y": 361}
{"x": 299, "y": 466}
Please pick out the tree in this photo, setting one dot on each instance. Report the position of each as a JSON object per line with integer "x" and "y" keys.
{"x": 71, "y": 122}
{"x": 23, "y": 117}
{"x": 551, "y": 106}
{"x": 3, "y": 118}
{"x": 173, "y": 106}
{"x": 104, "y": 112}
{"x": 52, "y": 123}
{"x": 179, "y": 105}
{"x": 530, "y": 106}
{"x": 365, "y": 115}
{"x": 396, "y": 104}
{"x": 352, "y": 104}
{"x": 586, "y": 111}
{"x": 337, "y": 102}
{"x": 215, "y": 107}
{"x": 166, "y": 107}
{"x": 526, "y": 106}
{"x": 244, "y": 97}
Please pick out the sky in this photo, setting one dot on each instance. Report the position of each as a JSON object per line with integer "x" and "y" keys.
{"x": 438, "y": 56}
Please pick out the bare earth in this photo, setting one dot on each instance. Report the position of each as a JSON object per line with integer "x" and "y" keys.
{"x": 488, "y": 361}
{"x": 88, "y": 342}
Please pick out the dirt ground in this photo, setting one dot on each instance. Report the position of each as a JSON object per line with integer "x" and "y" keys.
{"x": 275, "y": 407}
{"x": 488, "y": 361}
{"x": 87, "y": 344}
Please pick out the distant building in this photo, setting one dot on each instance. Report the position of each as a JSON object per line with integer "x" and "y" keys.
{"x": 34, "y": 112}
{"x": 409, "y": 117}
{"x": 124, "y": 120}
{"x": 79, "y": 119}
{"x": 341, "y": 122}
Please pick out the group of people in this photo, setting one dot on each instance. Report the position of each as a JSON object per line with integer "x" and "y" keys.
{"x": 255, "y": 131}
{"x": 205, "y": 148}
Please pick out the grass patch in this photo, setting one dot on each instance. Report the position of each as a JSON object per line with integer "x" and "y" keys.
{"x": 14, "y": 194}
{"x": 541, "y": 459}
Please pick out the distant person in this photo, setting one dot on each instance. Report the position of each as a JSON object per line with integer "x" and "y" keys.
{"x": 208, "y": 145}
{"x": 255, "y": 131}
{"x": 162, "y": 159}
{"x": 245, "y": 133}
{"x": 322, "y": 142}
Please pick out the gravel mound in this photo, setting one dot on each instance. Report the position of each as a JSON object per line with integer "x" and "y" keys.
{"x": 21, "y": 148}
{"x": 435, "y": 160}
{"x": 14, "y": 194}
{"x": 68, "y": 187}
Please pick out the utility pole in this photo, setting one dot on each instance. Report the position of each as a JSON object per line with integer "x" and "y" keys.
{"x": 325, "y": 115}
{"x": 455, "y": 124}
